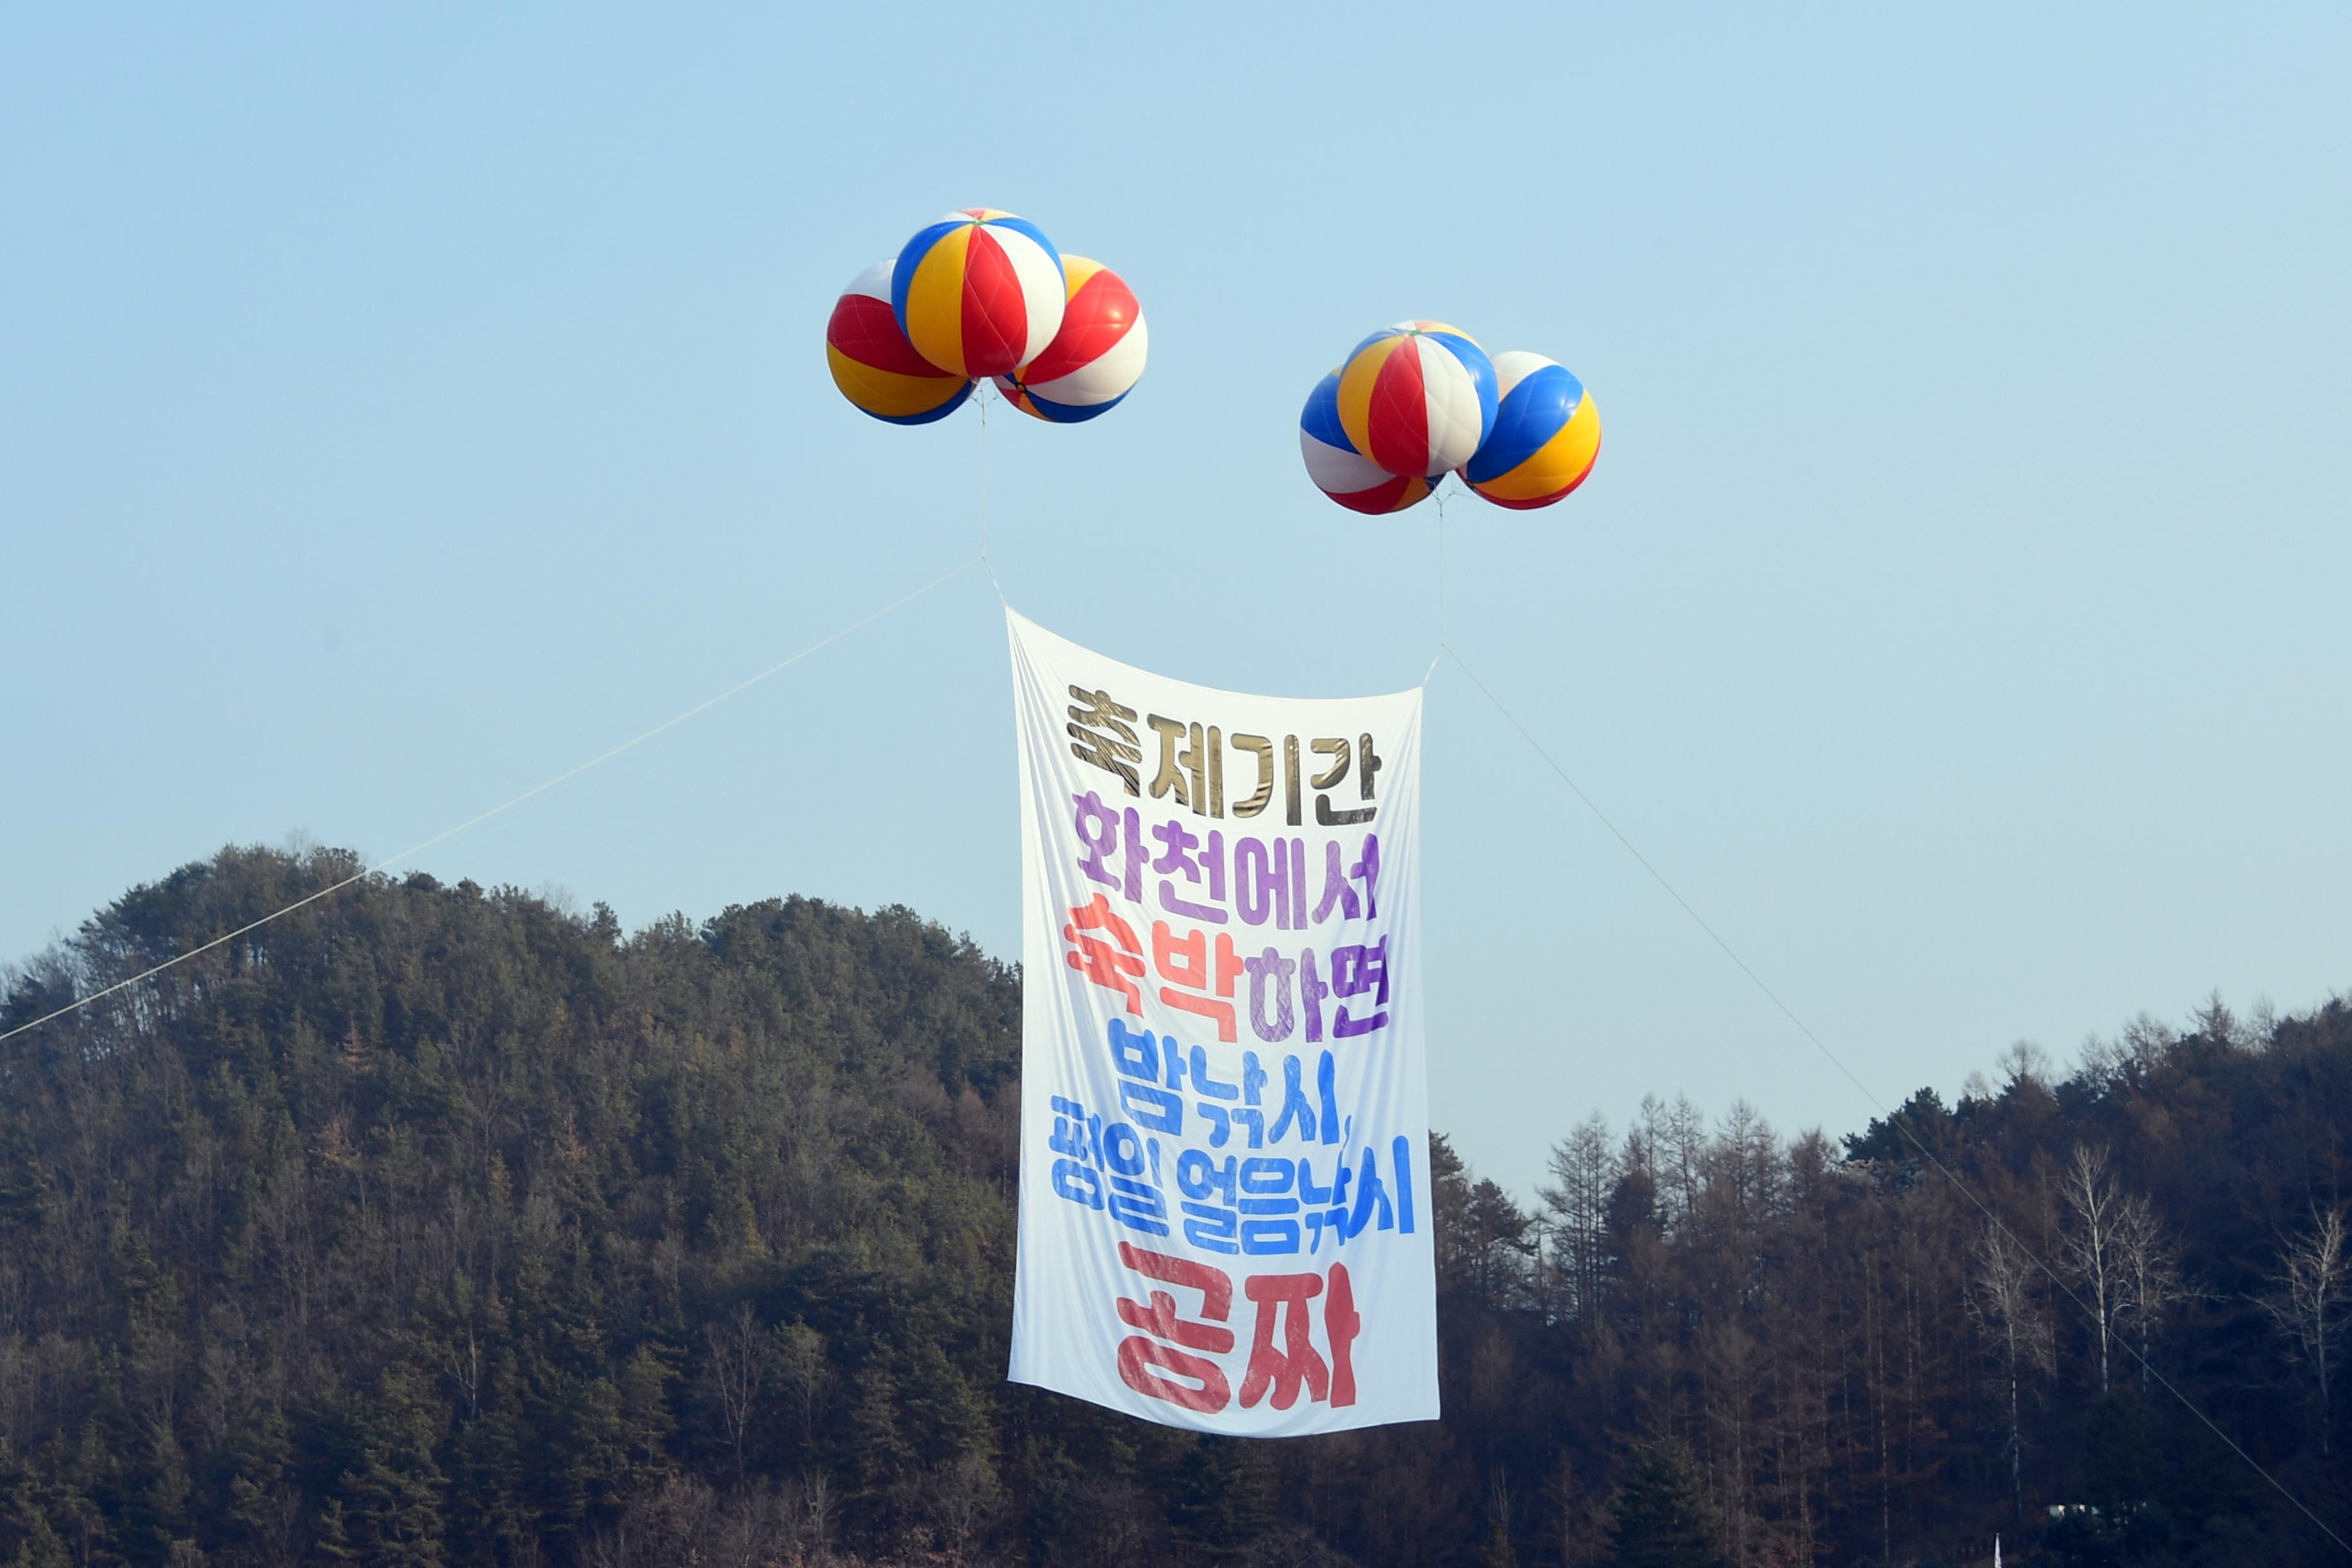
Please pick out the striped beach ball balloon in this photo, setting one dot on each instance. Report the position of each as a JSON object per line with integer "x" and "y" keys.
{"x": 980, "y": 292}
{"x": 1341, "y": 471}
{"x": 1417, "y": 398}
{"x": 875, "y": 365}
{"x": 1547, "y": 434}
{"x": 1094, "y": 361}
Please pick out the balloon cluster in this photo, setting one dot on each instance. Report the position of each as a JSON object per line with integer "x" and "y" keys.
{"x": 1417, "y": 399}
{"x": 984, "y": 293}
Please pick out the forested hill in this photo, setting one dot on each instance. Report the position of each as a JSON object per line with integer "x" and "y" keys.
{"x": 432, "y": 1224}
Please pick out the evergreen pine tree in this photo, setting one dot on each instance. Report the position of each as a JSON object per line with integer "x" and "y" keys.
{"x": 879, "y": 1454}
{"x": 258, "y": 1460}
{"x": 1663, "y": 1519}
{"x": 1217, "y": 1504}
{"x": 396, "y": 1493}
{"x": 330, "y": 1540}
{"x": 41, "y": 1547}
{"x": 155, "y": 1510}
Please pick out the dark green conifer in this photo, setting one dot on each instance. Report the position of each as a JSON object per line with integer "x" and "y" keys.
{"x": 1663, "y": 1519}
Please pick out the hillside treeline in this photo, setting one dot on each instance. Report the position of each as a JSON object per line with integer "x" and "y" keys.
{"x": 438, "y": 1226}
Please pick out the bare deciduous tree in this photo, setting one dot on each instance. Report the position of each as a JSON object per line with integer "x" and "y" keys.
{"x": 1677, "y": 1151}
{"x": 819, "y": 1505}
{"x": 2007, "y": 1312}
{"x": 2310, "y": 1302}
{"x": 805, "y": 1373}
{"x": 738, "y": 1358}
{"x": 1583, "y": 1169}
{"x": 964, "y": 1494}
{"x": 2024, "y": 1062}
{"x": 2147, "y": 1267}
{"x": 2087, "y": 1243}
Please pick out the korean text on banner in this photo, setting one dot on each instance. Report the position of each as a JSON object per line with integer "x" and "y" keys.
{"x": 1225, "y": 1150}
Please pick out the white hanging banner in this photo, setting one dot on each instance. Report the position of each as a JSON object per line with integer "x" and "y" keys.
{"x": 1225, "y": 1125}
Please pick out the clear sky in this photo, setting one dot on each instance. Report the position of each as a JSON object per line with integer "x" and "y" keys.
{"x": 396, "y": 409}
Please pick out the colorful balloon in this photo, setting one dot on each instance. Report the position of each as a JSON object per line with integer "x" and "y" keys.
{"x": 875, "y": 365}
{"x": 980, "y": 292}
{"x": 1094, "y": 361}
{"x": 1341, "y": 471}
{"x": 1417, "y": 398}
{"x": 1547, "y": 434}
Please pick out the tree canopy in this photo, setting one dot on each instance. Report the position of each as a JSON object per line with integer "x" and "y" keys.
{"x": 437, "y": 1225}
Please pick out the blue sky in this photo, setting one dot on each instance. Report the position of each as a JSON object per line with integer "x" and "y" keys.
{"x": 397, "y": 410}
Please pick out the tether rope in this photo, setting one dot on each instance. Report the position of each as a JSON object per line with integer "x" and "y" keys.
{"x": 1440, "y": 568}
{"x": 983, "y": 399}
{"x": 475, "y": 821}
{"x": 1889, "y": 1117}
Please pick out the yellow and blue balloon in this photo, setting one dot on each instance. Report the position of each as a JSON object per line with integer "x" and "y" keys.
{"x": 874, "y": 364}
{"x": 984, "y": 293}
{"x": 1546, "y": 437}
{"x": 1417, "y": 398}
{"x": 980, "y": 292}
{"x": 1097, "y": 357}
{"x": 1342, "y": 471}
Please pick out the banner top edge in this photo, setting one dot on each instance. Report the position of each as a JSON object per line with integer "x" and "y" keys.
{"x": 1023, "y": 627}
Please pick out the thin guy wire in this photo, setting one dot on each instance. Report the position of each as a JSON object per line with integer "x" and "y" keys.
{"x": 1441, "y": 567}
{"x": 1891, "y": 1118}
{"x": 983, "y": 399}
{"x": 421, "y": 847}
